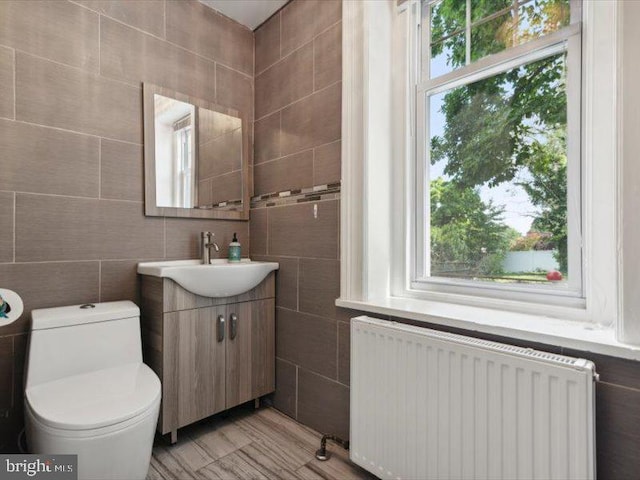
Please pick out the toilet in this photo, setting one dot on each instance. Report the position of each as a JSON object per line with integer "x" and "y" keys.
{"x": 87, "y": 391}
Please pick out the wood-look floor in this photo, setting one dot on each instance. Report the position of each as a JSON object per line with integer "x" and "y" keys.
{"x": 249, "y": 444}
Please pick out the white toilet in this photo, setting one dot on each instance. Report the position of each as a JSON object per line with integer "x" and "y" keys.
{"x": 87, "y": 391}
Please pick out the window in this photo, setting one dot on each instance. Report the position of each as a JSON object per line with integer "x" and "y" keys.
{"x": 498, "y": 171}
{"x": 385, "y": 220}
{"x": 184, "y": 178}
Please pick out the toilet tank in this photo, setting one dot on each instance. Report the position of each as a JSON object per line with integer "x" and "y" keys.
{"x": 77, "y": 339}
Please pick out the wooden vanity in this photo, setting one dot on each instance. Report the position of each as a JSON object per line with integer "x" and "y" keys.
{"x": 211, "y": 354}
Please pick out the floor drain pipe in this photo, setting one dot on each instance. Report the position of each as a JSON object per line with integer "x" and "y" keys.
{"x": 322, "y": 454}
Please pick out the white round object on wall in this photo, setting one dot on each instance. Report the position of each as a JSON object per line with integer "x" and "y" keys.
{"x": 11, "y": 306}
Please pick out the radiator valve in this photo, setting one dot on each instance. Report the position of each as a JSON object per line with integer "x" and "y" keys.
{"x": 322, "y": 453}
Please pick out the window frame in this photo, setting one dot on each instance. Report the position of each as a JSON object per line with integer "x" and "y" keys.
{"x": 184, "y": 143}
{"x": 567, "y": 39}
{"x": 376, "y": 205}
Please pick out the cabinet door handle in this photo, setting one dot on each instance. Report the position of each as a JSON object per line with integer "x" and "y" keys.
{"x": 220, "y": 328}
{"x": 234, "y": 325}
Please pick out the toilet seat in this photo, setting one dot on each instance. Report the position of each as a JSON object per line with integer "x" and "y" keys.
{"x": 107, "y": 399}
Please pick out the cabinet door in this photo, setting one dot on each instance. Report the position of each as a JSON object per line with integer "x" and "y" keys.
{"x": 201, "y": 364}
{"x": 250, "y": 350}
{"x": 239, "y": 353}
{"x": 263, "y": 347}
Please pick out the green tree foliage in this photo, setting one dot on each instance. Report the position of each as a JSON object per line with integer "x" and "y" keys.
{"x": 532, "y": 241}
{"x": 467, "y": 235}
{"x": 548, "y": 190}
{"x": 491, "y": 124}
{"x": 505, "y": 128}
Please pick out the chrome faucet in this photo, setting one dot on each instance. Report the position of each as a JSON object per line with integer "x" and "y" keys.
{"x": 206, "y": 242}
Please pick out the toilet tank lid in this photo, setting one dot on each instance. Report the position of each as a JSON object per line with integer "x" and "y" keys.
{"x": 80, "y": 314}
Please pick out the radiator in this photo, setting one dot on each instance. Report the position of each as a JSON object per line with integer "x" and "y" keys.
{"x": 427, "y": 404}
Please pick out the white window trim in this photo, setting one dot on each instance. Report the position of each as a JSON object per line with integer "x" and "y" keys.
{"x": 374, "y": 245}
{"x": 485, "y": 68}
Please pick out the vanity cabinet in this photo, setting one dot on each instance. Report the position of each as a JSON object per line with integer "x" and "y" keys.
{"x": 211, "y": 354}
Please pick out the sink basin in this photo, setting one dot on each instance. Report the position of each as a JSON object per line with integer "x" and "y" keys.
{"x": 218, "y": 279}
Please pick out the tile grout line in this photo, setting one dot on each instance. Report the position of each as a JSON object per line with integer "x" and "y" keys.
{"x": 13, "y": 371}
{"x": 338, "y": 225}
{"x": 337, "y": 350}
{"x": 313, "y": 65}
{"x": 74, "y": 132}
{"x": 253, "y": 38}
{"x": 99, "y": 168}
{"x": 313, "y": 166}
{"x": 99, "y": 44}
{"x": 333, "y": 380}
{"x": 15, "y": 84}
{"x": 199, "y": 470}
{"x": 15, "y": 207}
{"x": 15, "y": 334}
{"x": 315, "y": 315}
{"x": 286, "y": 361}
{"x": 162, "y": 39}
{"x": 279, "y": 132}
{"x": 137, "y": 202}
{"x": 279, "y": 41}
{"x": 281, "y": 58}
{"x": 297, "y": 386}
{"x": 297, "y": 284}
{"x": 185, "y": 49}
{"x": 280, "y": 157}
{"x": 285, "y": 189}
{"x": 618, "y": 385}
{"x": 42, "y": 262}
{"x": 82, "y": 70}
{"x": 298, "y": 100}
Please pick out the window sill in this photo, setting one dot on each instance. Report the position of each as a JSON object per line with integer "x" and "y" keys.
{"x": 536, "y": 328}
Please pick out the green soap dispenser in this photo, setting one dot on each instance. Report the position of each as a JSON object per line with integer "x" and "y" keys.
{"x": 235, "y": 249}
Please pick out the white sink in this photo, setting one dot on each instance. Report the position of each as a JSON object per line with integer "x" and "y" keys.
{"x": 218, "y": 279}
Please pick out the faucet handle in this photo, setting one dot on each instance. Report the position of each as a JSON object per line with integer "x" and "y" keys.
{"x": 205, "y": 235}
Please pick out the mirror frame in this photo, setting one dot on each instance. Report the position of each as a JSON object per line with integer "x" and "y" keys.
{"x": 150, "y": 207}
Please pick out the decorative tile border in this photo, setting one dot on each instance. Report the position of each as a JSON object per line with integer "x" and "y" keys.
{"x": 230, "y": 205}
{"x": 314, "y": 194}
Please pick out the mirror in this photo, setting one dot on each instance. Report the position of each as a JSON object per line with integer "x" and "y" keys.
{"x": 174, "y": 124}
{"x": 195, "y": 157}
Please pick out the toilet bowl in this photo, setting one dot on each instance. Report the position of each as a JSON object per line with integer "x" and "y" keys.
{"x": 87, "y": 391}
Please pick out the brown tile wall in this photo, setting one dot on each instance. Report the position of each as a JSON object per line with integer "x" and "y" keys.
{"x": 297, "y": 145}
{"x": 313, "y": 336}
{"x": 72, "y": 227}
{"x": 298, "y": 97}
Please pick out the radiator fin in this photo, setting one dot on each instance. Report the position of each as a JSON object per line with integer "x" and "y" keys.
{"x": 428, "y": 404}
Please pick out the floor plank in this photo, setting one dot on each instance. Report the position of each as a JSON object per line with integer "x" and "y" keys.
{"x": 269, "y": 461}
{"x": 281, "y": 437}
{"x": 154, "y": 474}
{"x": 243, "y": 443}
{"x": 337, "y": 467}
{"x": 219, "y": 437}
{"x": 231, "y": 466}
{"x": 169, "y": 466}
